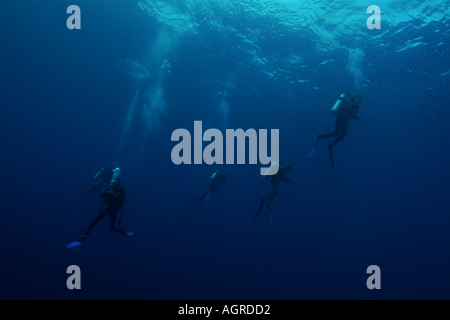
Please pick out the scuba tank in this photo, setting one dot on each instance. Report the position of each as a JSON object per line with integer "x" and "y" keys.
{"x": 98, "y": 174}
{"x": 338, "y": 106}
{"x": 270, "y": 169}
{"x": 215, "y": 175}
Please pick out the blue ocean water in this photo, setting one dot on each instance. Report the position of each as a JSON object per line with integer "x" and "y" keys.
{"x": 74, "y": 101}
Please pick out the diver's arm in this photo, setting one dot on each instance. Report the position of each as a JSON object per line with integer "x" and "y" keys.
{"x": 106, "y": 193}
{"x": 287, "y": 180}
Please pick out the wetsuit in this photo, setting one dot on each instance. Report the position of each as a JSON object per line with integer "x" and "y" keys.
{"x": 342, "y": 119}
{"x": 113, "y": 199}
{"x": 220, "y": 178}
{"x": 275, "y": 180}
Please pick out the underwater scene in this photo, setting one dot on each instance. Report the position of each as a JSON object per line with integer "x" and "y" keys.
{"x": 225, "y": 150}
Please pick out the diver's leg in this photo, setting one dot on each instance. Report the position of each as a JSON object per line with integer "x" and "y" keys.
{"x": 99, "y": 217}
{"x": 337, "y": 128}
{"x": 201, "y": 198}
{"x": 270, "y": 197}
{"x": 341, "y": 129}
{"x": 260, "y": 207}
{"x": 273, "y": 195}
{"x": 341, "y": 136}
{"x": 332, "y": 144}
{"x": 112, "y": 222}
{"x": 214, "y": 186}
{"x": 208, "y": 196}
{"x": 329, "y": 135}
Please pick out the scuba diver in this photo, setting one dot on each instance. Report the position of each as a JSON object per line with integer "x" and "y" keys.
{"x": 346, "y": 108}
{"x": 113, "y": 199}
{"x": 185, "y": 211}
{"x": 217, "y": 178}
{"x": 277, "y": 178}
{"x": 104, "y": 175}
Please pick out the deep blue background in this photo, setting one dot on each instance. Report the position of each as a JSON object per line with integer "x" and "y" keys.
{"x": 63, "y": 104}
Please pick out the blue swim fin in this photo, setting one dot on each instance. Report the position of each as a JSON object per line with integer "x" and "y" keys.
{"x": 208, "y": 196}
{"x": 73, "y": 245}
{"x": 129, "y": 234}
{"x": 311, "y": 153}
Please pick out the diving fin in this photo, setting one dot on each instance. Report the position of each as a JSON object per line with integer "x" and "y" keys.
{"x": 330, "y": 149}
{"x": 208, "y": 195}
{"x": 259, "y": 209}
{"x": 202, "y": 198}
{"x": 73, "y": 245}
{"x": 311, "y": 153}
{"x": 76, "y": 243}
{"x": 129, "y": 234}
